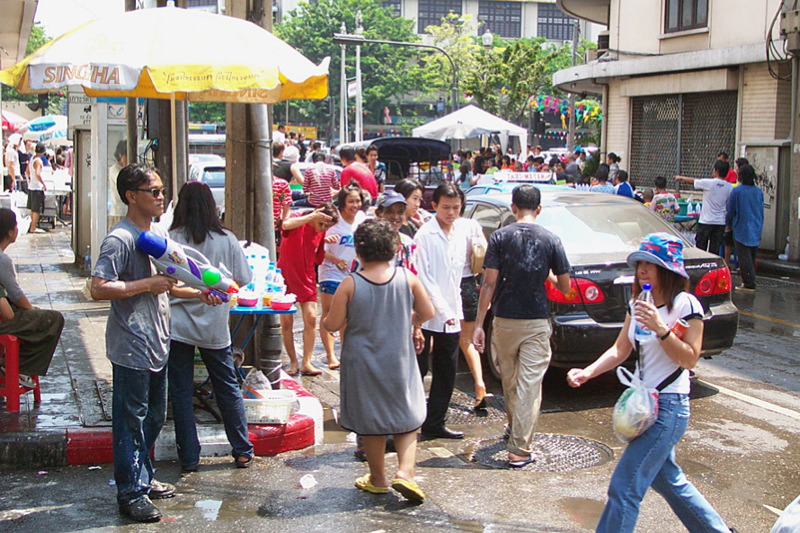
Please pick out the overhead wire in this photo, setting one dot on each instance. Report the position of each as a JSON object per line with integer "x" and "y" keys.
{"x": 776, "y": 56}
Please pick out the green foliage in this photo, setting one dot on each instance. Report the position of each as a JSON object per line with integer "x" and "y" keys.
{"x": 207, "y": 112}
{"x": 387, "y": 71}
{"x": 37, "y": 39}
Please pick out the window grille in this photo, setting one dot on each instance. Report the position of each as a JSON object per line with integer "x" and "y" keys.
{"x": 554, "y": 24}
{"x": 431, "y": 12}
{"x": 501, "y": 18}
{"x": 681, "y": 15}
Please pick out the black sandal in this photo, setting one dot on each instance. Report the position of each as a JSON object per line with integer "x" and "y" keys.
{"x": 244, "y": 464}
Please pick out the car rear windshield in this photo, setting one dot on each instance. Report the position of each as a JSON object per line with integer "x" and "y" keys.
{"x": 601, "y": 229}
{"x": 214, "y": 178}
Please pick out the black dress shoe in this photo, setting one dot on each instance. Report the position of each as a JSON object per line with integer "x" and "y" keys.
{"x": 161, "y": 491}
{"x": 442, "y": 432}
{"x": 141, "y": 510}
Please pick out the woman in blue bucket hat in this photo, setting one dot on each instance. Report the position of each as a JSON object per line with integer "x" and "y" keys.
{"x": 649, "y": 459}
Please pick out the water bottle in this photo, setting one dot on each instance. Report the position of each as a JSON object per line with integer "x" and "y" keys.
{"x": 87, "y": 259}
{"x": 641, "y": 333}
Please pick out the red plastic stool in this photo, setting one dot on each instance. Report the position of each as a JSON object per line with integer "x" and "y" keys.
{"x": 11, "y": 388}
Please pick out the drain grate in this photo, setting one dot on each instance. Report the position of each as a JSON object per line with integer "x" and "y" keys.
{"x": 554, "y": 453}
{"x": 460, "y": 411}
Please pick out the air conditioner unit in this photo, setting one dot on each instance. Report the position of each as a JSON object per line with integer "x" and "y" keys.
{"x": 603, "y": 39}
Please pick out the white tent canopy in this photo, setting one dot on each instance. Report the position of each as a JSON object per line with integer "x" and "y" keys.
{"x": 472, "y": 121}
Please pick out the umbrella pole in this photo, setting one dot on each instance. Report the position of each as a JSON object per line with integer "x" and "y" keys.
{"x": 174, "y": 139}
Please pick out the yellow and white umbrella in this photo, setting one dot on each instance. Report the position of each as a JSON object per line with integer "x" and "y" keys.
{"x": 172, "y": 53}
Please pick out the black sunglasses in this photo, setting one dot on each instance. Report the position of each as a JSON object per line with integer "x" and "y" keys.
{"x": 155, "y": 192}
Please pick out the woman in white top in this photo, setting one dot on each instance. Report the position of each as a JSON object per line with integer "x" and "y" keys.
{"x": 649, "y": 459}
{"x": 339, "y": 254}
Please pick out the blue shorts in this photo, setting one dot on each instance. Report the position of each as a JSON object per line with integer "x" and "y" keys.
{"x": 328, "y": 287}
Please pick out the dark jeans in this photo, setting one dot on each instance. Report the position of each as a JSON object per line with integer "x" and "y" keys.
{"x": 709, "y": 237}
{"x": 443, "y": 367}
{"x": 226, "y": 389}
{"x": 138, "y": 414}
{"x": 747, "y": 263}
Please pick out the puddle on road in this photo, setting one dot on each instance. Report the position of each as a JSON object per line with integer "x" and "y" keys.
{"x": 582, "y": 511}
{"x": 209, "y": 508}
{"x": 332, "y": 432}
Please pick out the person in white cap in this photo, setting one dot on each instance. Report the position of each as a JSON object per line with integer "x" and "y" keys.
{"x": 12, "y": 162}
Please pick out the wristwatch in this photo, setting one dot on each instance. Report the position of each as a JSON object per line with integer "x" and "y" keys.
{"x": 665, "y": 335}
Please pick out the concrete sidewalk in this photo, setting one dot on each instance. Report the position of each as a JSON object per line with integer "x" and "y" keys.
{"x": 72, "y": 423}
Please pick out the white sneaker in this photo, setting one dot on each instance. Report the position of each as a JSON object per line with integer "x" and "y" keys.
{"x": 26, "y": 381}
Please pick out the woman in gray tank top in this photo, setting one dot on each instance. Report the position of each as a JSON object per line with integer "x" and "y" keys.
{"x": 381, "y": 388}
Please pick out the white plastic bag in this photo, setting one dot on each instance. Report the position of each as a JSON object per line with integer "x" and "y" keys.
{"x": 636, "y": 409}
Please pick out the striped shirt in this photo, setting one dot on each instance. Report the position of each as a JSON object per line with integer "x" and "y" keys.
{"x": 281, "y": 196}
{"x": 318, "y": 182}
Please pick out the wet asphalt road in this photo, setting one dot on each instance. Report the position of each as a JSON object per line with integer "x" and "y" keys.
{"x": 741, "y": 450}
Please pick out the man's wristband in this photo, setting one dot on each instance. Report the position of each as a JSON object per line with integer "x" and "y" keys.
{"x": 665, "y": 335}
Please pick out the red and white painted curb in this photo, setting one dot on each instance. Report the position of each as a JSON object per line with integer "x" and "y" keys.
{"x": 94, "y": 445}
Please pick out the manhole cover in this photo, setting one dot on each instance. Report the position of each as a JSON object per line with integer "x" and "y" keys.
{"x": 461, "y": 412}
{"x": 554, "y": 453}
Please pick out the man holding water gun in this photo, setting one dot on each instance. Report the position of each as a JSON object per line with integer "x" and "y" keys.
{"x": 137, "y": 340}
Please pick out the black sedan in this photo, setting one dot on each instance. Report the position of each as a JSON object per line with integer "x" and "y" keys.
{"x": 598, "y": 232}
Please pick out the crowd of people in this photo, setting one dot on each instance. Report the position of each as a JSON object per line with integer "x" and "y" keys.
{"x": 375, "y": 257}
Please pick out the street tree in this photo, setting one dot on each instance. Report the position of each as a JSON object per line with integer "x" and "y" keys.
{"x": 388, "y": 72}
{"x": 37, "y": 39}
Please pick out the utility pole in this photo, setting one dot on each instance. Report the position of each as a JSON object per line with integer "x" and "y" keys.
{"x": 131, "y": 113}
{"x": 790, "y": 31}
{"x": 359, "y": 102}
{"x": 343, "y": 137}
{"x": 571, "y": 135}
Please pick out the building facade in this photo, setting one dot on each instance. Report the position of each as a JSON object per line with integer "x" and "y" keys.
{"x": 510, "y": 19}
{"x": 681, "y": 81}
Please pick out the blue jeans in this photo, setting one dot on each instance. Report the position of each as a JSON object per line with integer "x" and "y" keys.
{"x": 649, "y": 461}
{"x": 223, "y": 376}
{"x": 138, "y": 414}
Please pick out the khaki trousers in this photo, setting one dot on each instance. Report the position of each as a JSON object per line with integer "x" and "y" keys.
{"x": 523, "y": 353}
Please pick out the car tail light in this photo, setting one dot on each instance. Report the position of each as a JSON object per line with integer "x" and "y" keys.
{"x": 581, "y": 290}
{"x": 717, "y": 281}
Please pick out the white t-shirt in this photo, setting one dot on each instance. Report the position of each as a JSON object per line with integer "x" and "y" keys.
{"x": 12, "y": 156}
{"x": 715, "y": 200}
{"x": 654, "y": 361}
{"x": 344, "y": 248}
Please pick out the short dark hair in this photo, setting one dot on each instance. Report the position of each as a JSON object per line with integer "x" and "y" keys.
{"x": 347, "y": 152}
{"x": 345, "y": 191}
{"x": 448, "y": 190}
{"x": 723, "y": 155}
{"x": 409, "y": 185}
{"x": 660, "y": 182}
{"x": 741, "y": 161}
{"x": 747, "y": 175}
{"x": 8, "y": 221}
{"x": 40, "y": 148}
{"x": 526, "y": 197}
{"x": 621, "y": 176}
{"x": 602, "y": 172}
{"x": 318, "y": 156}
{"x": 327, "y": 208}
{"x": 277, "y": 149}
{"x": 372, "y": 147}
{"x": 721, "y": 168}
{"x": 375, "y": 240}
{"x": 196, "y": 212}
{"x": 133, "y": 177}
{"x": 121, "y": 149}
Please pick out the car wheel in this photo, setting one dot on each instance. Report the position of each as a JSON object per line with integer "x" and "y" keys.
{"x": 488, "y": 358}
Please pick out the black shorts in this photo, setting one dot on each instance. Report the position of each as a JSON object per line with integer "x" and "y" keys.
{"x": 8, "y": 183}
{"x": 469, "y": 298}
{"x": 36, "y": 201}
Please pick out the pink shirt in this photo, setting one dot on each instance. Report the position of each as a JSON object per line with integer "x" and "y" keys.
{"x": 361, "y": 174}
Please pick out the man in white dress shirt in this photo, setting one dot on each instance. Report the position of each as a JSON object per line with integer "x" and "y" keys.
{"x": 441, "y": 254}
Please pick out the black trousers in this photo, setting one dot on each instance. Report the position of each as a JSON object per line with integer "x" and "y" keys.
{"x": 747, "y": 263}
{"x": 443, "y": 356}
{"x": 709, "y": 237}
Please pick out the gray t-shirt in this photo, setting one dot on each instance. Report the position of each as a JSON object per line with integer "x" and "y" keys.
{"x": 137, "y": 331}
{"x": 194, "y": 322}
{"x": 8, "y": 278}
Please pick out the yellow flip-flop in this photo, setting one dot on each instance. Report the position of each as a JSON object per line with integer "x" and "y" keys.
{"x": 365, "y": 483}
{"x": 409, "y": 489}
